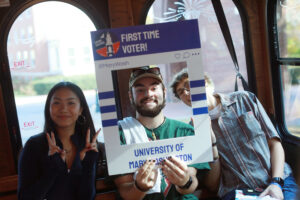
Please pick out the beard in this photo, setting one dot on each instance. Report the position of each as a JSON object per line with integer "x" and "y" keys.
{"x": 146, "y": 112}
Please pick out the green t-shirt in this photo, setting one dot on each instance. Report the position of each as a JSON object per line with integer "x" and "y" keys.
{"x": 170, "y": 129}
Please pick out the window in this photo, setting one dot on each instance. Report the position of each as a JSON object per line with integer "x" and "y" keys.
{"x": 71, "y": 52}
{"x": 53, "y": 53}
{"x": 41, "y": 54}
{"x": 18, "y": 55}
{"x": 286, "y": 61}
{"x": 32, "y": 58}
{"x": 29, "y": 31}
{"x": 218, "y": 63}
{"x": 22, "y": 34}
{"x": 25, "y": 55}
{"x": 87, "y": 55}
{"x": 16, "y": 38}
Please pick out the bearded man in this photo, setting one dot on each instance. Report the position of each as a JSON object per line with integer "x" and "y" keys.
{"x": 175, "y": 180}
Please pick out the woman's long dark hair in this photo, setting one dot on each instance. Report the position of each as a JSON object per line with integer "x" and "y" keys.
{"x": 80, "y": 127}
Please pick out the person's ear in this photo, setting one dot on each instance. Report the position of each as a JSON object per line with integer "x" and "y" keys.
{"x": 130, "y": 97}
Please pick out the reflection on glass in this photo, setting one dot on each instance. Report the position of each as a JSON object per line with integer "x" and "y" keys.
{"x": 291, "y": 90}
{"x": 40, "y": 58}
{"x": 288, "y": 24}
{"x": 215, "y": 54}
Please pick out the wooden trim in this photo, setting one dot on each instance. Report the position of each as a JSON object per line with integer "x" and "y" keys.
{"x": 106, "y": 196}
{"x": 120, "y": 13}
{"x": 256, "y": 12}
{"x": 9, "y": 184}
{"x": 102, "y": 185}
{"x": 7, "y": 165}
{"x": 127, "y": 12}
{"x": 9, "y": 197}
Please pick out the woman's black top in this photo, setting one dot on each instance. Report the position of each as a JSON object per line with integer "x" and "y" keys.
{"x": 47, "y": 177}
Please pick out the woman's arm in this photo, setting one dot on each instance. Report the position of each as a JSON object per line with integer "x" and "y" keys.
{"x": 35, "y": 178}
{"x": 88, "y": 155}
{"x": 87, "y": 190}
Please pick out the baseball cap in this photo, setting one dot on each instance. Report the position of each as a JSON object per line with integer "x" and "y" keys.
{"x": 142, "y": 72}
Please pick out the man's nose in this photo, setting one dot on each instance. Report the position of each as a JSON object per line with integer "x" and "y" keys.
{"x": 148, "y": 93}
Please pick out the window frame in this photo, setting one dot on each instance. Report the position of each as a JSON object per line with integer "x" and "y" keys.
{"x": 11, "y": 14}
{"x": 276, "y": 62}
{"x": 247, "y": 42}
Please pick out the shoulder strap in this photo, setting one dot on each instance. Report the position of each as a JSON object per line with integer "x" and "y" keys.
{"x": 228, "y": 39}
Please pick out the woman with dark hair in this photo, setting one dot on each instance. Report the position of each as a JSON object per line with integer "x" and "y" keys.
{"x": 60, "y": 162}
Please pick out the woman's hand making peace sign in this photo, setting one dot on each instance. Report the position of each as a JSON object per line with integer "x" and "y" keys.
{"x": 53, "y": 148}
{"x": 89, "y": 146}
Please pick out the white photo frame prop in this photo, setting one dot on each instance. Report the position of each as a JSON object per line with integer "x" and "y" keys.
{"x": 136, "y": 46}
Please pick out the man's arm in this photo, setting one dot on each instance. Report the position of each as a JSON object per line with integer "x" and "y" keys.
{"x": 192, "y": 172}
{"x": 277, "y": 166}
{"x": 276, "y": 151}
{"x": 136, "y": 189}
{"x": 212, "y": 179}
{"x": 179, "y": 174}
{"x": 127, "y": 188}
{"x": 274, "y": 143}
{"x": 277, "y": 157}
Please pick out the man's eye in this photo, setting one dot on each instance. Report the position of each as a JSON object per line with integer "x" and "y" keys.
{"x": 180, "y": 92}
{"x": 140, "y": 90}
{"x": 187, "y": 85}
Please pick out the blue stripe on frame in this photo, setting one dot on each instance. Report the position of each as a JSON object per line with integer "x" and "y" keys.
{"x": 198, "y": 97}
{"x": 106, "y": 95}
{"x": 199, "y": 111}
{"x": 197, "y": 83}
{"x": 107, "y": 109}
{"x": 109, "y": 122}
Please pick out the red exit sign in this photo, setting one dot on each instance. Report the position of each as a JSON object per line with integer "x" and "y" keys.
{"x": 29, "y": 124}
{"x": 18, "y": 65}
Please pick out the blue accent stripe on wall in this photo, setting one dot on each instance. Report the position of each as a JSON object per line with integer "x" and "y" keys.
{"x": 107, "y": 109}
{"x": 198, "y": 97}
{"x": 106, "y": 95}
{"x": 199, "y": 111}
{"x": 109, "y": 122}
{"x": 197, "y": 83}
